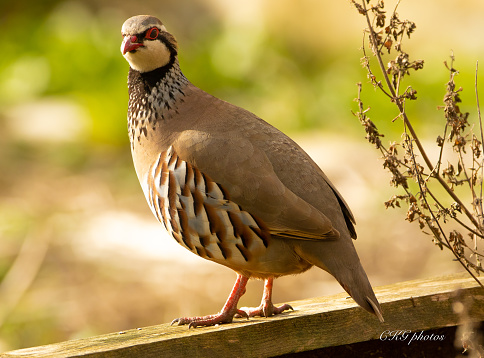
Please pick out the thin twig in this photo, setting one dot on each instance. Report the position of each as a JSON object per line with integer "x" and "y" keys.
{"x": 457, "y": 220}
{"x": 439, "y": 162}
{"x": 479, "y": 118}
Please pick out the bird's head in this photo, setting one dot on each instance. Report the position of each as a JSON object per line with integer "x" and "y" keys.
{"x": 146, "y": 44}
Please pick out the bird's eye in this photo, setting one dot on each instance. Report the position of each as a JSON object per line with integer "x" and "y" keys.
{"x": 152, "y": 33}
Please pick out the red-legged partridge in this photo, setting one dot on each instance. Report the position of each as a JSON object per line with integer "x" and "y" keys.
{"x": 228, "y": 186}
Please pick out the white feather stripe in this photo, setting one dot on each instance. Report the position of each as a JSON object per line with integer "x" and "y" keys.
{"x": 190, "y": 178}
{"x": 170, "y": 158}
{"x": 186, "y": 204}
{"x": 158, "y": 204}
{"x": 199, "y": 181}
{"x": 180, "y": 172}
{"x": 205, "y": 223}
{"x": 225, "y": 221}
{"x": 156, "y": 170}
{"x": 215, "y": 192}
{"x": 199, "y": 221}
{"x": 247, "y": 219}
{"x": 214, "y": 251}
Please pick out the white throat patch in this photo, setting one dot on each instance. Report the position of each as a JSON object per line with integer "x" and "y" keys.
{"x": 149, "y": 57}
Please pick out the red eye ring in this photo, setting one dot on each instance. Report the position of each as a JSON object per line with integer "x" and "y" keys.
{"x": 152, "y": 33}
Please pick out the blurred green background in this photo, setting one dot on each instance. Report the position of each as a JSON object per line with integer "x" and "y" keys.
{"x": 81, "y": 254}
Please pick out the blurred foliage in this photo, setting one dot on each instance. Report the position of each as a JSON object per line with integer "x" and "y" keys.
{"x": 295, "y": 64}
{"x": 72, "y": 50}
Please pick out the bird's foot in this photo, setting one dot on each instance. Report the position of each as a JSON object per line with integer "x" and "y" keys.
{"x": 227, "y": 313}
{"x": 266, "y": 309}
{"x": 210, "y": 320}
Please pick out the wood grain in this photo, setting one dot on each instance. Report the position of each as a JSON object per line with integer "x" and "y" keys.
{"x": 316, "y": 323}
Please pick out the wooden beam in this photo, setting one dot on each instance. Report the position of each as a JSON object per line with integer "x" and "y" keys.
{"x": 316, "y": 323}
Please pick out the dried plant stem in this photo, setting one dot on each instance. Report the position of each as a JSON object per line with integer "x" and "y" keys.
{"x": 419, "y": 145}
{"x": 436, "y": 222}
{"x": 427, "y": 205}
{"x": 479, "y": 118}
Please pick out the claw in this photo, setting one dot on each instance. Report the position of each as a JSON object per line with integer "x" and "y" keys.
{"x": 180, "y": 321}
{"x": 266, "y": 309}
{"x": 241, "y": 314}
{"x": 228, "y": 311}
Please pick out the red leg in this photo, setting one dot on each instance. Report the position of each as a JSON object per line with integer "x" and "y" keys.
{"x": 266, "y": 308}
{"x": 228, "y": 311}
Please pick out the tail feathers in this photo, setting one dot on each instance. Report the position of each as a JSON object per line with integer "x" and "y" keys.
{"x": 340, "y": 259}
{"x": 360, "y": 290}
{"x": 376, "y": 309}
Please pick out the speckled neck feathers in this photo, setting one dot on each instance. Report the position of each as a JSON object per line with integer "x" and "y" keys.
{"x": 152, "y": 97}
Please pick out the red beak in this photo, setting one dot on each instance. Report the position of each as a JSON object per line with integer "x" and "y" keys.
{"x": 130, "y": 44}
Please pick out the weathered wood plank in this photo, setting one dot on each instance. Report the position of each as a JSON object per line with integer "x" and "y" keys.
{"x": 315, "y": 323}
